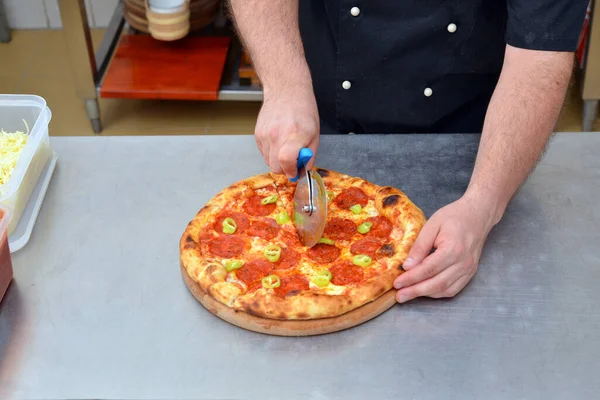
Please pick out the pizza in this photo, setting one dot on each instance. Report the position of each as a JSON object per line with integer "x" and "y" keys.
{"x": 243, "y": 250}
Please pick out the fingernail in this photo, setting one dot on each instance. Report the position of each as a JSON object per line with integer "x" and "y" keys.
{"x": 401, "y": 298}
{"x": 408, "y": 263}
{"x": 397, "y": 285}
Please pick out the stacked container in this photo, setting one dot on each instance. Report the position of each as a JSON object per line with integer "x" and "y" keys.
{"x": 14, "y": 109}
{"x": 6, "y": 271}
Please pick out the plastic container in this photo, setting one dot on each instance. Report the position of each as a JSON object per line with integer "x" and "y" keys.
{"x": 6, "y": 270}
{"x": 34, "y": 156}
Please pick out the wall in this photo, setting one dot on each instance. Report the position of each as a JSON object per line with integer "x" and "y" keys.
{"x": 44, "y": 14}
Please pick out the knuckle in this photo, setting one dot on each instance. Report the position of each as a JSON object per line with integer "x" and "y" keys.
{"x": 285, "y": 157}
{"x": 459, "y": 248}
{"x": 417, "y": 249}
{"x": 273, "y": 134}
{"x": 469, "y": 260}
{"x": 430, "y": 271}
{"x": 441, "y": 286}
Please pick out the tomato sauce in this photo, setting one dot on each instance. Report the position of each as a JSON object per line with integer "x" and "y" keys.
{"x": 253, "y": 206}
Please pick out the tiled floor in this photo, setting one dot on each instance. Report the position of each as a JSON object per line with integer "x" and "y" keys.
{"x": 36, "y": 62}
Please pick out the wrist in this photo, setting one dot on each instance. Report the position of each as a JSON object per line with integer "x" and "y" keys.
{"x": 487, "y": 203}
{"x": 291, "y": 84}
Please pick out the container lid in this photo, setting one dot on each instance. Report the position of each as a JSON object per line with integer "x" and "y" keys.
{"x": 13, "y": 110}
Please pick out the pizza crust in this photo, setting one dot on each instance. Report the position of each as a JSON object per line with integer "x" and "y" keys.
{"x": 210, "y": 274}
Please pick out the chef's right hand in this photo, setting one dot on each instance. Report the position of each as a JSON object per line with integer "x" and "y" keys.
{"x": 287, "y": 122}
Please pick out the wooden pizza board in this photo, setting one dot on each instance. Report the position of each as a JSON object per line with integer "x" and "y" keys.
{"x": 291, "y": 327}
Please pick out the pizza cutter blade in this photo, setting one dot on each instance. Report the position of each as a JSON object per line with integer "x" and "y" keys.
{"x": 310, "y": 202}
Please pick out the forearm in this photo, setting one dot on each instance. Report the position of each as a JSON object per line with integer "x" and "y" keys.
{"x": 520, "y": 120}
{"x": 270, "y": 33}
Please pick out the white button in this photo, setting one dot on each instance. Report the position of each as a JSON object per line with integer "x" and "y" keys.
{"x": 452, "y": 28}
{"x": 355, "y": 11}
{"x": 428, "y": 92}
{"x": 346, "y": 85}
{"x": 350, "y": 133}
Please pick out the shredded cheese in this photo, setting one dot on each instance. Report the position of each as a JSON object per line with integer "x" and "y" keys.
{"x": 11, "y": 145}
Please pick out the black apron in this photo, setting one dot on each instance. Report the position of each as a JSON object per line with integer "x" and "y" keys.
{"x": 420, "y": 66}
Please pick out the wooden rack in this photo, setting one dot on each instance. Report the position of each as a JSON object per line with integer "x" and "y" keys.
{"x": 209, "y": 62}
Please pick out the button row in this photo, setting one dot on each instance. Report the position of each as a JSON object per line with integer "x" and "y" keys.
{"x": 428, "y": 92}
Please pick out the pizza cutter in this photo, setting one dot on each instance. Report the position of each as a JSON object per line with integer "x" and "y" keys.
{"x": 310, "y": 201}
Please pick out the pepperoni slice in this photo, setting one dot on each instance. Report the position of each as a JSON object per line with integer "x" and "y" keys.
{"x": 346, "y": 273}
{"x": 288, "y": 259}
{"x": 292, "y": 285}
{"x": 340, "y": 229}
{"x": 240, "y": 219}
{"x": 205, "y": 237}
{"x": 266, "y": 228}
{"x": 253, "y": 271}
{"x": 368, "y": 246}
{"x": 289, "y": 238}
{"x": 350, "y": 197}
{"x": 382, "y": 227}
{"x": 253, "y": 286}
{"x": 254, "y": 207}
{"x": 226, "y": 246}
{"x": 323, "y": 253}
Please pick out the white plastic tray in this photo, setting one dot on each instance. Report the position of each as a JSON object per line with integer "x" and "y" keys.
{"x": 19, "y": 238}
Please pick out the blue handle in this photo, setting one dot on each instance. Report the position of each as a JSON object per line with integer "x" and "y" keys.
{"x": 304, "y": 157}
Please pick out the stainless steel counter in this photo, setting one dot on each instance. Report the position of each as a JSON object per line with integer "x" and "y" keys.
{"x": 98, "y": 308}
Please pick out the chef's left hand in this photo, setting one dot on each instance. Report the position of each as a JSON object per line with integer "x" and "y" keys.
{"x": 457, "y": 232}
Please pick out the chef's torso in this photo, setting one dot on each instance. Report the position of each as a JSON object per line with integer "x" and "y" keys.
{"x": 404, "y": 66}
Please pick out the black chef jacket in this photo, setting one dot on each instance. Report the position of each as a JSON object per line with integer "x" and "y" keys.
{"x": 421, "y": 65}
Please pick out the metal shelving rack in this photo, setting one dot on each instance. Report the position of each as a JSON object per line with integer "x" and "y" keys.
{"x": 89, "y": 68}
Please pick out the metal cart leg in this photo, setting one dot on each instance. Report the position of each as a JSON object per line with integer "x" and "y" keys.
{"x": 4, "y": 29}
{"x": 81, "y": 53}
{"x": 93, "y": 112}
{"x": 590, "y": 111}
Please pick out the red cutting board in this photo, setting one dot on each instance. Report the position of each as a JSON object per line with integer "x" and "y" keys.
{"x": 146, "y": 68}
{"x": 6, "y": 271}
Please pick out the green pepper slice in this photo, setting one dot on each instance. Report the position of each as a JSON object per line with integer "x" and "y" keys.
{"x": 330, "y": 195}
{"x": 298, "y": 218}
{"x": 325, "y": 240}
{"x": 272, "y": 253}
{"x": 269, "y": 200}
{"x": 233, "y": 265}
{"x": 229, "y": 226}
{"x": 271, "y": 282}
{"x": 365, "y": 227}
{"x": 323, "y": 278}
{"x": 356, "y": 209}
{"x": 282, "y": 218}
{"x": 362, "y": 260}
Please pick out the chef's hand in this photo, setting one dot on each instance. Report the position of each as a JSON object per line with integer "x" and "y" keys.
{"x": 287, "y": 122}
{"x": 457, "y": 232}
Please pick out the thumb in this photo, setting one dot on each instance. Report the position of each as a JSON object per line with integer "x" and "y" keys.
{"x": 423, "y": 245}
{"x": 288, "y": 155}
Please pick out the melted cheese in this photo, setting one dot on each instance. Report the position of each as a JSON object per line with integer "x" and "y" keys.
{"x": 11, "y": 146}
